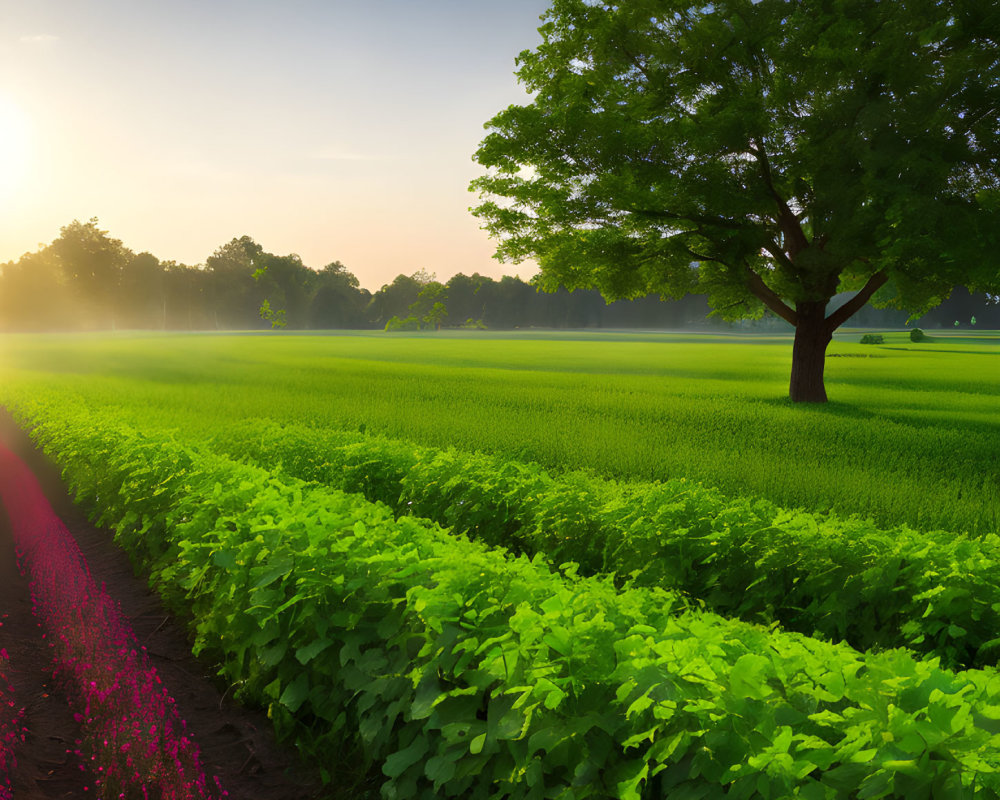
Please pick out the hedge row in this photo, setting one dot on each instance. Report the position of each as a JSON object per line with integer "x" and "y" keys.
{"x": 835, "y": 578}
{"x": 469, "y": 673}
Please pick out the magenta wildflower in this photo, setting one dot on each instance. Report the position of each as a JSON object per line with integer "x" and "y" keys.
{"x": 11, "y": 728}
{"x": 117, "y": 696}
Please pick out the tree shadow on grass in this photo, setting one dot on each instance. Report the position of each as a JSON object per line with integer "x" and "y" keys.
{"x": 900, "y": 414}
{"x": 830, "y": 408}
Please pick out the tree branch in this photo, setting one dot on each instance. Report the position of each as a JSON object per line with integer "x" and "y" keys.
{"x": 636, "y": 63}
{"x": 846, "y": 311}
{"x": 778, "y": 254}
{"x": 967, "y": 128}
{"x": 698, "y": 219}
{"x": 795, "y": 237}
{"x": 699, "y": 257}
{"x": 766, "y": 295}
{"x": 728, "y": 306}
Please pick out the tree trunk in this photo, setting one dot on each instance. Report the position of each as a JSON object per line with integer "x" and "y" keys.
{"x": 813, "y": 331}
{"x": 812, "y": 335}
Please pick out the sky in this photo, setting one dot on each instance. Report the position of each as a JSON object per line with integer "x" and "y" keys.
{"x": 340, "y": 130}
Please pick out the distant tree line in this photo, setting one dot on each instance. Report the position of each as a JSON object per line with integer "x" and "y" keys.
{"x": 88, "y": 280}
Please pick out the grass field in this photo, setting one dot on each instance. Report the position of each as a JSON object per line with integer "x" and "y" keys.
{"x": 911, "y": 434}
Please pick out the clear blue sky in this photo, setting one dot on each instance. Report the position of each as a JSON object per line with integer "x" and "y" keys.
{"x": 335, "y": 130}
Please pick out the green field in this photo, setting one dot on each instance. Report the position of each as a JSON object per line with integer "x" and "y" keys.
{"x": 474, "y": 625}
{"x": 911, "y": 434}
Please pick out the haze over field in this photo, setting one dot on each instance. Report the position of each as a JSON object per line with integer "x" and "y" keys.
{"x": 335, "y": 130}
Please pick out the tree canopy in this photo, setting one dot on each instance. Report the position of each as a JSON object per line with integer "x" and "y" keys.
{"x": 770, "y": 154}
{"x": 93, "y": 263}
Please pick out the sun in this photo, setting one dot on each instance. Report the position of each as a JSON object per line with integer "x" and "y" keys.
{"x": 15, "y": 148}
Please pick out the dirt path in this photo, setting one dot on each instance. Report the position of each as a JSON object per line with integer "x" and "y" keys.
{"x": 46, "y": 766}
{"x": 236, "y": 744}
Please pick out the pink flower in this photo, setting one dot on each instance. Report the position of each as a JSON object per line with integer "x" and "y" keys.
{"x": 111, "y": 679}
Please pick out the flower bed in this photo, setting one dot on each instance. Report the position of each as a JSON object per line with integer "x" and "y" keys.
{"x": 132, "y": 736}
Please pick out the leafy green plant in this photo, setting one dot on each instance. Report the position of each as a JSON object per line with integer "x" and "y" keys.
{"x": 468, "y": 673}
{"x": 873, "y": 338}
{"x": 275, "y": 317}
{"x": 819, "y": 574}
{"x": 410, "y": 323}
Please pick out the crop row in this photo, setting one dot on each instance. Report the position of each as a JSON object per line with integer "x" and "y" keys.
{"x": 133, "y": 738}
{"x": 836, "y": 578}
{"x": 466, "y": 672}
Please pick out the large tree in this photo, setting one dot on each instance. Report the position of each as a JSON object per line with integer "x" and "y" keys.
{"x": 394, "y": 299}
{"x": 34, "y": 294}
{"x": 141, "y": 298}
{"x": 92, "y": 264}
{"x": 234, "y": 294}
{"x": 339, "y": 301}
{"x": 770, "y": 154}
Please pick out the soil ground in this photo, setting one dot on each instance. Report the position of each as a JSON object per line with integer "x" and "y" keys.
{"x": 236, "y": 743}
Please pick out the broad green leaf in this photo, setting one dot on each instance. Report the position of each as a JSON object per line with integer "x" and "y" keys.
{"x": 295, "y": 692}
{"x": 397, "y": 763}
{"x": 308, "y": 652}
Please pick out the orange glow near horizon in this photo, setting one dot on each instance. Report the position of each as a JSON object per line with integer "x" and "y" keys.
{"x": 336, "y": 131}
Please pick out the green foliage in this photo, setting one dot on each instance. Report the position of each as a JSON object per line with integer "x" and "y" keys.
{"x": 466, "y": 673}
{"x": 268, "y": 314}
{"x": 917, "y": 335}
{"x": 429, "y": 306}
{"x": 436, "y": 315}
{"x": 841, "y": 579}
{"x": 237, "y": 257}
{"x": 410, "y": 323}
{"x": 645, "y": 149}
{"x": 763, "y": 153}
{"x": 873, "y": 338}
{"x": 276, "y": 318}
{"x": 92, "y": 264}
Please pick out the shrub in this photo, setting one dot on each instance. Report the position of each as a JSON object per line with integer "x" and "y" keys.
{"x": 411, "y": 323}
{"x": 843, "y": 579}
{"x": 917, "y": 335}
{"x": 872, "y": 338}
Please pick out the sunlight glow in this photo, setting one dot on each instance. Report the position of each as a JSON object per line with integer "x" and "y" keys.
{"x": 15, "y": 149}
